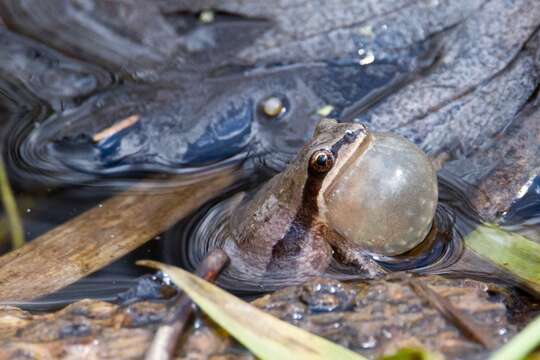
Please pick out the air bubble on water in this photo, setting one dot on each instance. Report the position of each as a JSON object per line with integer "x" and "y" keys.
{"x": 165, "y": 278}
{"x": 370, "y": 343}
{"x": 206, "y": 16}
{"x": 366, "y": 57}
{"x": 197, "y": 324}
{"x": 525, "y": 188}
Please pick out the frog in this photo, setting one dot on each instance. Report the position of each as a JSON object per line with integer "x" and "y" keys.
{"x": 329, "y": 205}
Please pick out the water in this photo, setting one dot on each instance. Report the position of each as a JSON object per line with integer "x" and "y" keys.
{"x": 189, "y": 241}
{"x": 199, "y": 108}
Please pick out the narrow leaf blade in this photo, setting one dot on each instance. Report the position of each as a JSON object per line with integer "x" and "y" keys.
{"x": 512, "y": 252}
{"x": 412, "y": 354}
{"x": 521, "y": 344}
{"x": 264, "y": 335}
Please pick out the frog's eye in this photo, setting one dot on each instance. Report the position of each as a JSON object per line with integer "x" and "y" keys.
{"x": 321, "y": 161}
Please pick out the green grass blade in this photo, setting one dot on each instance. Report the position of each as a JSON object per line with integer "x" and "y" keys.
{"x": 412, "y": 354}
{"x": 511, "y": 252}
{"x": 521, "y": 344}
{"x": 263, "y": 334}
{"x": 10, "y": 206}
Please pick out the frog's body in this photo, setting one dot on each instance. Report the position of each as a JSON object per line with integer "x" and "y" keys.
{"x": 303, "y": 218}
{"x": 282, "y": 227}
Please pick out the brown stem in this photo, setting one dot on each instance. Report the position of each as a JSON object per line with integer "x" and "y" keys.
{"x": 459, "y": 318}
{"x": 115, "y": 128}
{"x": 166, "y": 339}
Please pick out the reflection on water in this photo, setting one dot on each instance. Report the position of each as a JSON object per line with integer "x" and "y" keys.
{"x": 201, "y": 104}
{"x": 216, "y": 119}
{"x": 190, "y": 240}
{"x": 440, "y": 253}
{"x": 524, "y": 216}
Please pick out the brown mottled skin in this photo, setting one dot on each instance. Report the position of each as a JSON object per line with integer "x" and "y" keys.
{"x": 281, "y": 228}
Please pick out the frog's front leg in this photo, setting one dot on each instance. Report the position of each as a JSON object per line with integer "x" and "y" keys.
{"x": 355, "y": 257}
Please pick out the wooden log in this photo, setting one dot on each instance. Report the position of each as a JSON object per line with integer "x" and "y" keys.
{"x": 101, "y": 235}
{"x": 387, "y": 313}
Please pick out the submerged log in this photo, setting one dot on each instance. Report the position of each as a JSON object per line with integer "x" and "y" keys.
{"x": 372, "y": 319}
{"x": 101, "y": 235}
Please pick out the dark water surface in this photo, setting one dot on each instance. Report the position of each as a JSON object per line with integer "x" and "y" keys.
{"x": 423, "y": 70}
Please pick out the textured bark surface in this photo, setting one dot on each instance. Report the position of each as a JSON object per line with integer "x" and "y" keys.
{"x": 458, "y": 78}
{"x": 371, "y": 318}
{"x": 451, "y": 76}
{"x": 504, "y": 173}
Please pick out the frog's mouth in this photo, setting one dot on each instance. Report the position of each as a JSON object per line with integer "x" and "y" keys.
{"x": 346, "y": 157}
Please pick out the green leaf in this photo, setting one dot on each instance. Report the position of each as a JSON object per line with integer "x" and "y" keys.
{"x": 263, "y": 334}
{"x": 521, "y": 344}
{"x": 412, "y": 354}
{"x": 512, "y": 252}
{"x": 10, "y": 206}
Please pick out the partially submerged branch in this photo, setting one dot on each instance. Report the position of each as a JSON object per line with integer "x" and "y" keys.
{"x": 101, "y": 235}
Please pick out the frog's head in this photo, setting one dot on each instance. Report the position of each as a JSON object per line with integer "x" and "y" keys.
{"x": 320, "y": 161}
{"x": 377, "y": 190}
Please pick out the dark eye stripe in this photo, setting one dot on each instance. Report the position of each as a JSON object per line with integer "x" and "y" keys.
{"x": 291, "y": 243}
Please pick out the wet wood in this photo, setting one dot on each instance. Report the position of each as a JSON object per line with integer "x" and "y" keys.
{"x": 371, "y": 318}
{"x": 384, "y": 315}
{"x": 166, "y": 339}
{"x": 460, "y": 319}
{"x": 87, "y": 329}
{"x": 513, "y": 163}
{"x": 101, "y": 235}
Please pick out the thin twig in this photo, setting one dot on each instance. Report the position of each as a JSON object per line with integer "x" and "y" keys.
{"x": 115, "y": 128}
{"x": 10, "y": 206}
{"x": 166, "y": 339}
{"x": 460, "y": 319}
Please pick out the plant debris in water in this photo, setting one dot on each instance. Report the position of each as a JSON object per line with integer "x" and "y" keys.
{"x": 510, "y": 251}
{"x": 10, "y": 206}
{"x": 522, "y": 344}
{"x": 266, "y": 336}
{"x": 223, "y": 81}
